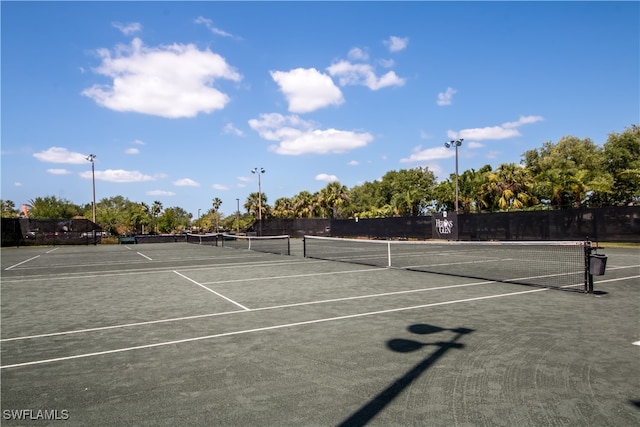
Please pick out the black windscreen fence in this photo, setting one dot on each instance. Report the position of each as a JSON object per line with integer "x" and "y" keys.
{"x": 616, "y": 224}
{"x": 28, "y": 231}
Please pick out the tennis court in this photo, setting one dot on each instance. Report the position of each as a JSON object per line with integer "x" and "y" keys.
{"x": 191, "y": 334}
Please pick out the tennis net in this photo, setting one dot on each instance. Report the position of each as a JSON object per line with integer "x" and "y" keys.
{"x": 547, "y": 264}
{"x": 269, "y": 244}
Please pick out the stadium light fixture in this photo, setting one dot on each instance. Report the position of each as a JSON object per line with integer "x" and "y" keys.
{"x": 457, "y": 143}
{"x": 91, "y": 157}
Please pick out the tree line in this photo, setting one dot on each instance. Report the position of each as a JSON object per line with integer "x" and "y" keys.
{"x": 570, "y": 173}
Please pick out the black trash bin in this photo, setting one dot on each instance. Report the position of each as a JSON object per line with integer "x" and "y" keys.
{"x": 597, "y": 264}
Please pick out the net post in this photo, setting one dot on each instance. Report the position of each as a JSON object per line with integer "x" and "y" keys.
{"x": 304, "y": 246}
{"x": 288, "y": 245}
{"x": 389, "y": 254}
{"x": 588, "y": 277}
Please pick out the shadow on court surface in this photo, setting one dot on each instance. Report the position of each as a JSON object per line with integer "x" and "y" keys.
{"x": 401, "y": 345}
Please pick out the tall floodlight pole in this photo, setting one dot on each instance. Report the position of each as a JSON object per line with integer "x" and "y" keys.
{"x": 259, "y": 171}
{"x": 457, "y": 143}
{"x": 91, "y": 157}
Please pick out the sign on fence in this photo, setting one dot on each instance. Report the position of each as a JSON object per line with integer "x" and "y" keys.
{"x": 444, "y": 225}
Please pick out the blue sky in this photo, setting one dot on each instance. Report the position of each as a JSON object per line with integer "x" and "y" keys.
{"x": 179, "y": 101}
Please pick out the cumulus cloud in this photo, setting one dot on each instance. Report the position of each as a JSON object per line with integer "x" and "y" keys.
{"x": 132, "y": 151}
{"x": 353, "y": 163}
{"x": 171, "y": 81}
{"x": 446, "y": 97}
{"x": 357, "y": 54}
{"x": 160, "y": 193}
{"x": 326, "y": 177}
{"x": 118, "y": 176}
{"x": 295, "y": 136}
{"x": 186, "y": 182}
{"x": 61, "y": 155}
{"x": 59, "y": 171}
{"x": 220, "y": 187}
{"x": 364, "y": 75}
{"x": 472, "y": 137}
{"x": 424, "y": 155}
{"x": 307, "y": 89}
{"x": 504, "y": 131}
{"x": 396, "y": 44}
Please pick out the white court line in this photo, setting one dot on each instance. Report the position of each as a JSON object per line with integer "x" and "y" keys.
{"x": 616, "y": 280}
{"x": 294, "y": 276}
{"x": 20, "y": 263}
{"x": 143, "y": 255}
{"x": 211, "y": 290}
{"x": 54, "y": 249}
{"x": 636, "y": 343}
{"x": 273, "y": 307}
{"x": 266, "y": 328}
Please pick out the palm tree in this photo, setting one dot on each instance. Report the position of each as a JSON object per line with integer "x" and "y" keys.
{"x": 305, "y": 204}
{"x": 332, "y": 197}
{"x": 216, "y": 205}
{"x": 156, "y": 209}
{"x": 252, "y": 205}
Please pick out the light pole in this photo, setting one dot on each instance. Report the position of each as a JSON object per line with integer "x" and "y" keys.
{"x": 238, "y": 216}
{"x": 91, "y": 157}
{"x": 259, "y": 171}
{"x": 457, "y": 143}
{"x": 198, "y": 221}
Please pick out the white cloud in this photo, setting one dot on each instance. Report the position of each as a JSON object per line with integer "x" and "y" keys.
{"x": 17, "y": 184}
{"x": 474, "y": 144}
{"x": 118, "y": 175}
{"x": 424, "y": 155}
{"x": 220, "y": 187}
{"x": 186, "y": 182}
{"x": 244, "y": 179}
{"x": 128, "y": 29}
{"x": 209, "y": 24}
{"x": 61, "y": 155}
{"x": 138, "y": 142}
{"x": 446, "y": 98}
{"x": 357, "y": 54}
{"x": 306, "y": 89}
{"x": 132, "y": 151}
{"x": 326, "y": 177}
{"x": 171, "y": 81}
{"x": 363, "y": 74}
{"x": 59, "y": 171}
{"x": 353, "y": 163}
{"x": 504, "y": 131}
{"x": 396, "y": 44}
{"x": 230, "y": 129}
{"x": 296, "y": 136}
{"x": 160, "y": 193}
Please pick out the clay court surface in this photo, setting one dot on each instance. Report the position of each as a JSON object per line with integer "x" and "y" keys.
{"x": 183, "y": 334}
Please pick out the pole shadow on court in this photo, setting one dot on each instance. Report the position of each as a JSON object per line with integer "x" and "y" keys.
{"x": 376, "y": 405}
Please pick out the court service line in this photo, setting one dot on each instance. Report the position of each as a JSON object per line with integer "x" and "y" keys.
{"x": 263, "y": 329}
{"x": 52, "y": 250}
{"x": 211, "y": 290}
{"x": 272, "y": 307}
{"x": 292, "y": 276}
{"x": 20, "y": 263}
